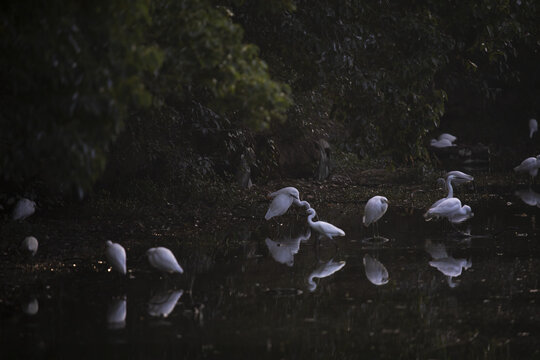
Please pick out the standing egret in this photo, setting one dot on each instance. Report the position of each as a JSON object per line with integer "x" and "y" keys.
{"x": 459, "y": 177}
{"x": 375, "y": 208}
{"x": 451, "y": 209}
{"x": 282, "y": 201}
{"x": 324, "y": 270}
{"x": 163, "y": 259}
{"x": 533, "y": 127}
{"x": 30, "y": 244}
{"x": 443, "y": 143}
{"x": 322, "y": 227}
{"x": 23, "y": 209}
{"x": 529, "y": 165}
{"x": 446, "y": 136}
{"x": 116, "y": 256}
{"x": 456, "y": 177}
{"x": 376, "y": 273}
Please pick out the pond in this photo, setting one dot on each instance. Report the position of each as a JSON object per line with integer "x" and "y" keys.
{"x": 430, "y": 292}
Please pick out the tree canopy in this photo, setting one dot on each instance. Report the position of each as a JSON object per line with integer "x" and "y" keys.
{"x": 384, "y": 72}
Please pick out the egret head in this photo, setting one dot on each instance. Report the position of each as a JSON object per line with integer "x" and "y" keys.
{"x": 311, "y": 211}
{"x": 468, "y": 264}
{"x": 384, "y": 200}
{"x": 468, "y": 210}
{"x": 294, "y": 193}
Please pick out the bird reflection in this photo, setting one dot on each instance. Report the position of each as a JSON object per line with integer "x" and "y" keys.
{"x": 324, "y": 270}
{"x": 529, "y": 197}
{"x": 162, "y": 304}
{"x": 446, "y": 264}
{"x": 283, "y": 251}
{"x": 116, "y": 313}
{"x": 31, "y": 307}
{"x": 375, "y": 271}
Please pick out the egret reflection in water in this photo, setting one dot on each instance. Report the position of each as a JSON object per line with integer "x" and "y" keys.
{"x": 376, "y": 273}
{"x": 446, "y": 264}
{"x": 116, "y": 313}
{"x": 163, "y": 303}
{"x": 283, "y": 251}
{"x": 529, "y": 197}
{"x": 324, "y": 270}
{"x": 31, "y": 307}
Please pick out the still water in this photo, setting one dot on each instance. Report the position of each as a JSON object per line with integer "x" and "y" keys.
{"x": 428, "y": 293}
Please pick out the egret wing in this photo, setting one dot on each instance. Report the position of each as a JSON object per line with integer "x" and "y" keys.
{"x": 166, "y": 260}
{"x": 279, "y": 206}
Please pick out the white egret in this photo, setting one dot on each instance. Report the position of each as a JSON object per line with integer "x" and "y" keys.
{"x": 283, "y": 251}
{"x": 529, "y": 197}
{"x": 30, "y": 244}
{"x": 444, "y": 143}
{"x": 324, "y": 270}
{"x": 446, "y": 136}
{"x": 282, "y": 201}
{"x": 456, "y": 177}
{"x": 322, "y": 227}
{"x": 163, "y": 259}
{"x": 116, "y": 313}
{"x": 376, "y": 273}
{"x": 529, "y": 165}
{"x": 375, "y": 208}
{"x": 533, "y": 127}
{"x": 451, "y": 209}
{"x": 459, "y": 177}
{"x": 31, "y": 307}
{"x": 23, "y": 209}
{"x": 116, "y": 256}
{"x": 162, "y": 304}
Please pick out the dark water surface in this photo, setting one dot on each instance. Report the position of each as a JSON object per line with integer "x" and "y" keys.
{"x": 262, "y": 300}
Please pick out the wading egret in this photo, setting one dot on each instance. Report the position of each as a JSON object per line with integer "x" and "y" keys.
{"x": 533, "y": 127}
{"x": 451, "y": 209}
{"x": 448, "y": 185}
{"x": 322, "y": 227}
{"x": 282, "y": 201}
{"x": 30, "y": 244}
{"x": 163, "y": 259}
{"x": 116, "y": 313}
{"x": 283, "y": 251}
{"x": 446, "y": 136}
{"x": 23, "y": 209}
{"x": 162, "y": 304}
{"x": 444, "y": 143}
{"x": 116, "y": 256}
{"x": 376, "y": 273}
{"x": 324, "y": 270}
{"x": 530, "y": 165}
{"x": 459, "y": 177}
{"x": 375, "y": 208}
{"x": 456, "y": 177}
